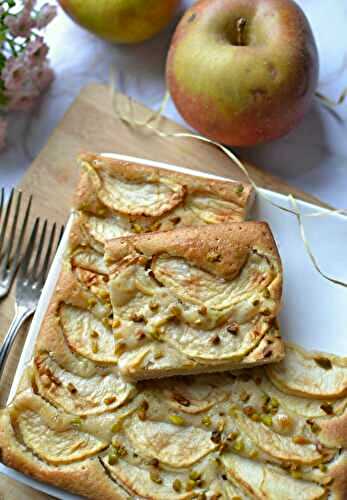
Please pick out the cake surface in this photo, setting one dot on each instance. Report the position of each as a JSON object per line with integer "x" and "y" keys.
{"x": 123, "y": 197}
{"x": 195, "y": 300}
{"x": 215, "y": 436}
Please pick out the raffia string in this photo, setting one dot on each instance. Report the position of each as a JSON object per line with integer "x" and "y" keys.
{"x": 329, "y": 103}
{"x": 152, "y": 123}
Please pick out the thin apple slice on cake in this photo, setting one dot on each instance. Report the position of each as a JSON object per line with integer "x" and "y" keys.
{"x": 318, "y": 375}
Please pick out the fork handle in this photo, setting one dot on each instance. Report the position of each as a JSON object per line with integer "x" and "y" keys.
{"x": 21, "y": 315}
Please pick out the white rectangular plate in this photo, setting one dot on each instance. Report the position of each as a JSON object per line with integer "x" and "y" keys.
{"x": 314, "y": 312}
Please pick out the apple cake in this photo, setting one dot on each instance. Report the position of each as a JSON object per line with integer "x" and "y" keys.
{"x": 195, "y": 300}
{"x": 275, "y": 432}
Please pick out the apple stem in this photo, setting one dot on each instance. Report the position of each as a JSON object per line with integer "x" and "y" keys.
{"x": 240, "y": 28}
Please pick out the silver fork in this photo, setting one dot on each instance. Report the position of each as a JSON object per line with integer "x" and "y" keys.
{"x": 32, "y": 274}
{"x": 10, "y": 242}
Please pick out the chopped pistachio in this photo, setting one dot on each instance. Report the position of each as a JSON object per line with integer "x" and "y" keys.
{"x": 216, "y": 437}
{"x": 182, "y": 400}
{"x": 239, "y": 189}
{"x": 300, "y": 440}
{"x": 232, "y": 412}
{"x": 112, "y": 458}
{"x": 249, "y": 411}
{"x": 117, "y": 426}
{"x": 206, "y": 421}
{"x": 215, "y": 340}
{"x": 76, "y": 421}
{"x": 323, "y": 467}
{"x": 176, "y": 419}
{"x": 140, "y": 335}
{"x": 158, "y": 355}
{"x": 94, "y": 334}
{"x": 153, "y": 306}
{"x": 253, "y": 454}
{"x": 266, "y": 420}
{"x": 244, "y": 396}
{"x": 175, "y": 220}
{"x": 119, "y": 449}
{"x": 71, "y": 388}
{"x": 95, "y": 347}
{"x": 175, "y": 311}
{"x": 213, "y": 256}
{"x": 323, "y": 362}
{"x": 143, "y": 410}
{"x": 119, "y": 348}
{"x": 238, "y": 445}
{"x": 233, "y": 328}
{"x": 116, "y": 322}
{"x": 274, "y": 402}
{"x": 177, "y": 485}
{"x": 255, "y": 417}
{"x": 195, "y": 475}
{"x": 327, "y": 408}
{"x": 221, "y": 425}
{"x": 314, "y": 427}
{"x": 103, "y": 294}
{"x": 91, "y": 302}
{"x": 202, "y": 310}
{"x": 232, "y": 436}
{"x": 110, "y": 400}
{"x": 296, "y": 474}
{"x": 267, "y": 293}
{"x": 155, "y": 476}
{"x": 137, "y": 228}
{"x": 137, "y": 318}
{"x": 190, "y": 485}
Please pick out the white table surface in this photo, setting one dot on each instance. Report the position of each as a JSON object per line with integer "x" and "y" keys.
{"x": 312, "y": 157}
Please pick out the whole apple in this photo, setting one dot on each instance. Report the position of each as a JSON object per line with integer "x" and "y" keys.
{"x": 243, "y": 72}
{"x": 122, "y": 21}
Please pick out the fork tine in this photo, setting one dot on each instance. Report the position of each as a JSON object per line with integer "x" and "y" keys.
{"x": 38, "y": 251}
{"x": 46, "y": 263}
{"x": 62, "y": 229}
{"x": 24, "y": 266}
{"x": 4, "y": 223}
{"x": 9, "y": 247}
{"x": 2, "y": 200}
{"x": 21, "y": 236}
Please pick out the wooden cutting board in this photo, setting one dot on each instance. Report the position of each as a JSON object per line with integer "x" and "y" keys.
{"x": 90, "y": 125}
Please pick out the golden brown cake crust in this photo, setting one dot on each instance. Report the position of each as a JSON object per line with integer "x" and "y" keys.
{"x": 221, "y": 249}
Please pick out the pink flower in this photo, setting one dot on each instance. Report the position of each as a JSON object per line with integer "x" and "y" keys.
{"x": 44, "y": 77}
{"x": 14, "y": 73}
{"x": 21, "y": 103}
{"x": 29, "y": 4}
{"x": 21, "y": 24}
{"x": 3, "y": 130}
{"x": 36, "y": 51}
{"x": 45, "y": 15}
